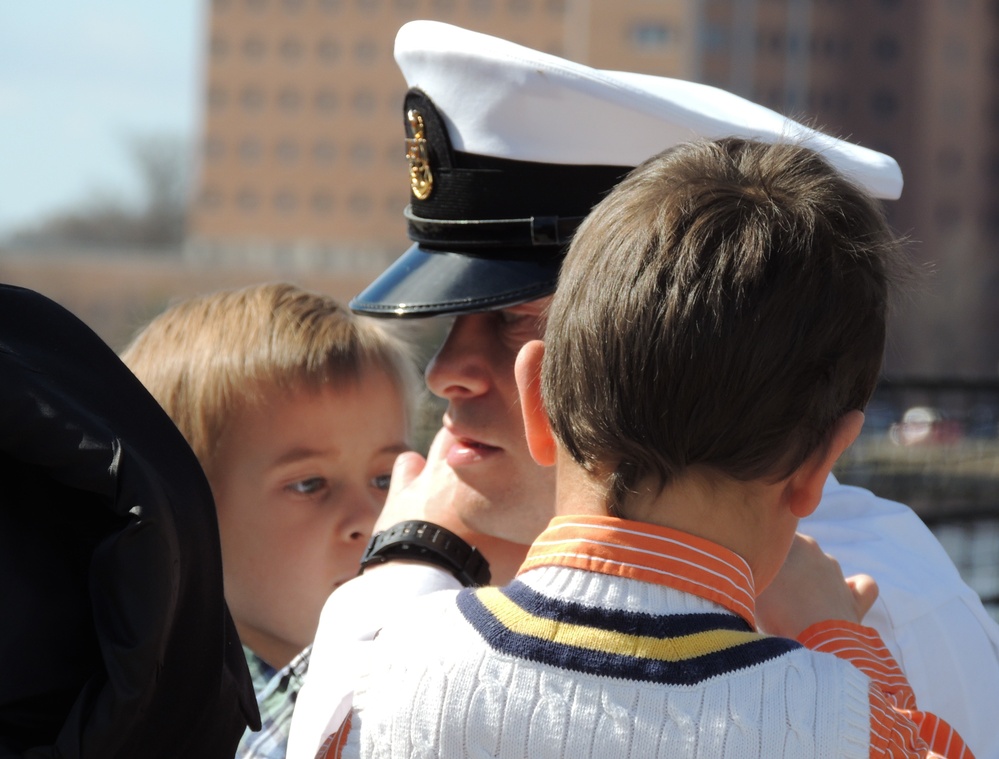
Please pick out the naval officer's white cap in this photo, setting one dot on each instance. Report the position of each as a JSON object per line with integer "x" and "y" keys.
{"x": 510, "y": 147}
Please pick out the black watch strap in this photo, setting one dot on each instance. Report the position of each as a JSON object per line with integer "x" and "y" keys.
{"x": 416, "y": 540}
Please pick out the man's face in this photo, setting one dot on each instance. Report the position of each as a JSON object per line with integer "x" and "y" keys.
{"x": 508, "y": 495}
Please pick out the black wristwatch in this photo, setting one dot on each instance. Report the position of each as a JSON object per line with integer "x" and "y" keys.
{"x": 430, "y": 543}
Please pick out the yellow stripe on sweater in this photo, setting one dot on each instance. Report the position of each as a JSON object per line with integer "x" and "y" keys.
{"x": 675, "y": 649}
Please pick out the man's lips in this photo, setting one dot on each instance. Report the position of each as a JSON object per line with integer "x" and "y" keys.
{"x": 464, "y": 451}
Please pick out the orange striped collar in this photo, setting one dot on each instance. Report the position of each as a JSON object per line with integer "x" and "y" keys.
{"x": 646, "y": 552}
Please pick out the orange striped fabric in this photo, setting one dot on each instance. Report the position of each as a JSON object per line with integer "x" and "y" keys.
{"x": 649, "y": 553}
{"x": 332, "y": 747}
{"x": 898, "y": 728}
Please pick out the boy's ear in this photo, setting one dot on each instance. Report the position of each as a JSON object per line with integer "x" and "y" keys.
{"x": 803, "y": 490}
{"x": 527, "y": 370}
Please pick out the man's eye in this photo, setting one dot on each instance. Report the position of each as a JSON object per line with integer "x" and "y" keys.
{"x": 381, "y": 481}
{"x": 309, "y": 486}
{"x": 512, "y": 317}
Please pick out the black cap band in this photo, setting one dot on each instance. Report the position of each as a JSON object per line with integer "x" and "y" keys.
{"x": 491, "y": 233}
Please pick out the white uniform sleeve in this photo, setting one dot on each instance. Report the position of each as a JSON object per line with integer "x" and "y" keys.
{"x": 932, "y": 622}
{"x": 351, "y": 618}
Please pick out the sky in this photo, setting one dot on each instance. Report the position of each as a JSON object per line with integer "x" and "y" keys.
{"x": 79, "y": 79}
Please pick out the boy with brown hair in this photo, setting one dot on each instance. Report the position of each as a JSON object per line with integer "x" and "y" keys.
{"x": 296, "y": 409}
{"x": 717, "y": 330}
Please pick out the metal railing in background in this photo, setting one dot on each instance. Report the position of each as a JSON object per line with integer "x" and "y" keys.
{"x": 934, "y": 445}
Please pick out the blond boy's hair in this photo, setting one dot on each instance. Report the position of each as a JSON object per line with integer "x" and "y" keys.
{"x": 209, "y": 356}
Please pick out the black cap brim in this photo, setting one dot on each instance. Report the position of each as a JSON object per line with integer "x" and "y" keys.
{"x": 424, "y": 282}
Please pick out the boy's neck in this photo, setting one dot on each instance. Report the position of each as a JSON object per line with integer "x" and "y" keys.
{"x": 746, "y": 518}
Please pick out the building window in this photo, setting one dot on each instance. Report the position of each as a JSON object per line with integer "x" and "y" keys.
{"x": 948, "y": 215}
{"x": 213, "y": 148}
{"x": 289, "y": 99}
{"x": 324, "y": 152}
{"x": 365, "y": 51}
{"x": 715, "y": 38}
{"x": 329, "y": 6}
{"x": 955, "y": 53}
{"x": 211, "y": 199}
{"x": 396, "y": 155}
{"x": 252, "y": 98}
{"x": 991, "y": 167}
{"x": 555, "y": 7}
{"x": 361, "y": 154}
{"x": 359, "y": 204}
{"x": 217, "y": 97}
{"x": 293, "y": 6}
{"x": 247, "y": 200}
{"x": 520, "y": 7}
{"x": 990, "y": 219}
{"x": 285, "y": 201}
{"x": 885, "y": 48}
{"x": 481, "y": 7}
{"x": 328, "y": 50}
{"x": 327, "y": 102}
{"x": 650, "y": 34}
{"x": 218, "y": 47}
{"x": 291, "y": 49}
{"x": 884, "y": 104}
{"x": 286, "y": 151}
{"x": 253, "y": 48}
{"x": 368, "y": 6}
{"x": 363, "y": 103}
{"x": 322, "y": 203}
{"x": 949, "y": 161}
{"x": 249, "y": 150}
{"x": 256, "y": 5}
{"x": 394, "y": 205}
{"x": 953, "y": 107}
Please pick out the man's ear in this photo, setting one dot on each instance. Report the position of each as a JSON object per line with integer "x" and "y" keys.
{"x": 527, "y": 370}
{"x": 803, "y": 489}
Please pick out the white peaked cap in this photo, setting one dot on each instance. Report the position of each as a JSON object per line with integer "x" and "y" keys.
{"x": 504, "y": 100}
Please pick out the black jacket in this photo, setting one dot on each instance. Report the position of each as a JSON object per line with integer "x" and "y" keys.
{"x": 115, "y": 640}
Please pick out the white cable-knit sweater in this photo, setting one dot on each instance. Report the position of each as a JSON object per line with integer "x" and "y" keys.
{"x": 620, "y": 640}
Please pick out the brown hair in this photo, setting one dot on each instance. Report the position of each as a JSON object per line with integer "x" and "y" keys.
{"x": 722, "y": 307}
{"x": 206, "y": 357}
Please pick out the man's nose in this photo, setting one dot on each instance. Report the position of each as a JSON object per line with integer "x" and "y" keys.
{"x": 460, "y": 368}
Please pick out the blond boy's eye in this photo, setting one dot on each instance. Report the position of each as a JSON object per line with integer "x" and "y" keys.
{"x": 381, "y": 481}
{"x": 309, "y": 486}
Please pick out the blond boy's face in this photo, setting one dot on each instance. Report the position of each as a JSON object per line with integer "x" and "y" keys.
{"x": 298, "y": 484}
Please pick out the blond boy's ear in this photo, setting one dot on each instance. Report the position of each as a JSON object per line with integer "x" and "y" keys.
{"x": 527, "y": 370}
{"x": 803, "y": 489}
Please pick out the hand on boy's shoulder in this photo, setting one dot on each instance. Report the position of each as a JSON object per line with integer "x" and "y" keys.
{"x": 810, "y": 588}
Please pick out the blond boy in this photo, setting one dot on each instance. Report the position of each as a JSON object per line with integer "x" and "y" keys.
{"x": 296, "y": 410}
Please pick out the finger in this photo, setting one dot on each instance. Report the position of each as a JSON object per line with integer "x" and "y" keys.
{"x": 865, "y": 592}
{"x": 439, "y": 446}
{"x": 406, "y": 468}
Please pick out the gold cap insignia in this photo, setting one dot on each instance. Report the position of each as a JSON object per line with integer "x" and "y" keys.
{"x": 421, "y": 180}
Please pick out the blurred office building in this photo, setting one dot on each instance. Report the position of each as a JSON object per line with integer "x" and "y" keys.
{"x": 302, "y": 153}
